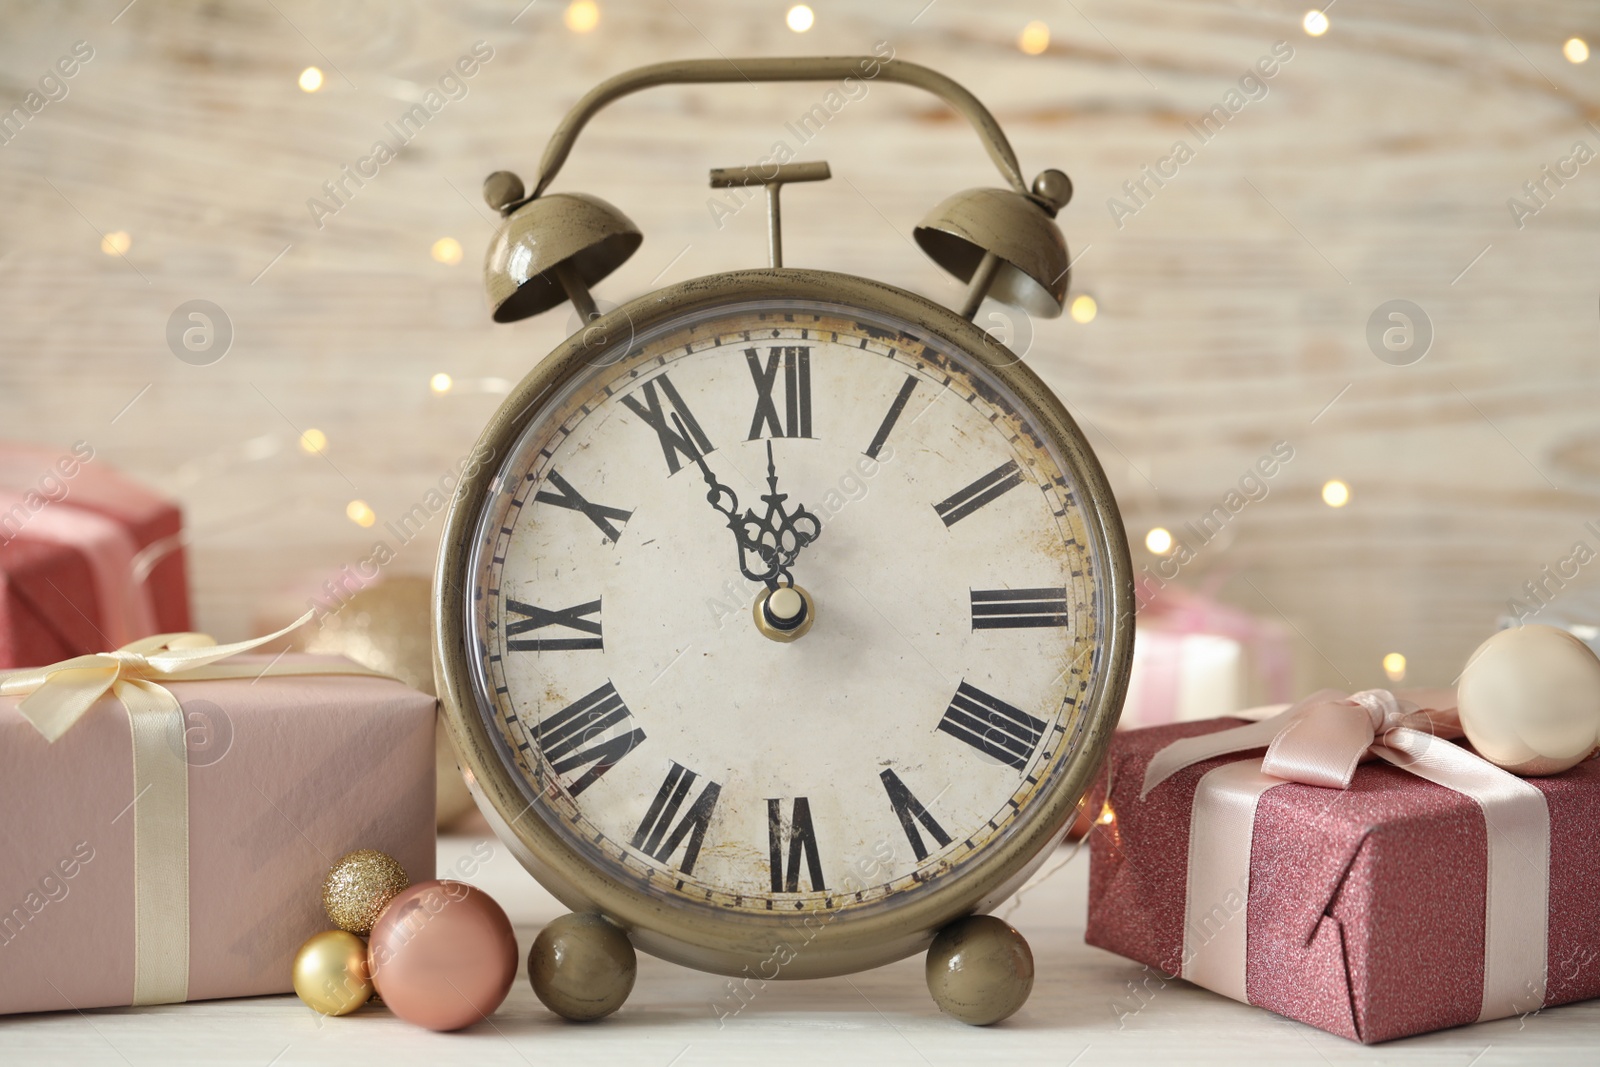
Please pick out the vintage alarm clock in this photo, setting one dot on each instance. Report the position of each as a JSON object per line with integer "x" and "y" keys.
{"x": 789, "y": 614}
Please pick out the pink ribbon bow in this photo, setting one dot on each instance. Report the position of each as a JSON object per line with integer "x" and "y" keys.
{"x": 1320, "y": 741}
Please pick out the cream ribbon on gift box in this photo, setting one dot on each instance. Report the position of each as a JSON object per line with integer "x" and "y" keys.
{"x": 55, "y": 698}
{"x": 1320, "y": 741}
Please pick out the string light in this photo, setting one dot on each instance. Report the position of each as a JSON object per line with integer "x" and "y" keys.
{"x": 440, "y": 383}
{"x": 1576, "y": 50}
{"x": 1083, "y": 309}
{"x": 310, "y": 80}
{"x": 800, "y": 18}
{"x": 313, "y": 441}
{"x": 1158, "y": 540}
{"x": 582, "y": 16}
{"x": 1335, "y": 493}
{"x": 1034, "y": 38}
{"x": 358, "y": 512}
{"x": 116, "y": 243}
{"x": 447, "y": 250}
{"x": 1394, "y": 666}
{"x": 1315, "y": 23}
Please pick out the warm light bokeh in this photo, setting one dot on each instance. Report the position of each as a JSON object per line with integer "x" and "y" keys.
{"x": 1034, "y": 38}
{"x": 446, "y": 250}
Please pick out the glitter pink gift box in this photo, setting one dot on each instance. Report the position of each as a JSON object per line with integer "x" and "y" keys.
{"x": 1365, "y": 909}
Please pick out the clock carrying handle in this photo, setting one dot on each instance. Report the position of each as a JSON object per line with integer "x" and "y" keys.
{"x": 798, "y": 69}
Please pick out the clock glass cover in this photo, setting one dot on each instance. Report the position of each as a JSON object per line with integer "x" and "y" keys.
{"x": 954, "y": 591}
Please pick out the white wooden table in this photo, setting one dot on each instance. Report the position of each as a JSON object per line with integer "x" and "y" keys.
{"x": 880, "y": 1017}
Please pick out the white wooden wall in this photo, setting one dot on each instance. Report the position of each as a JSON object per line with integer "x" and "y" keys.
{"x": 1232, "y": 306}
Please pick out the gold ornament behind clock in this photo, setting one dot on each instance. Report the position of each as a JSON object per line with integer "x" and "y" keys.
{"x": 793, "y": 613}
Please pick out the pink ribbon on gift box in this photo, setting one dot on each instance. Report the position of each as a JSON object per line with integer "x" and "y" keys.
{"x": 1320, "y": 741}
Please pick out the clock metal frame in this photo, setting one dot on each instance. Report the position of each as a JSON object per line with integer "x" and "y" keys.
{"x": 725, "y": 942}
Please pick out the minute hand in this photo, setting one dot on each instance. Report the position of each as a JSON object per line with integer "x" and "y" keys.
{"x": 791, "y": 531}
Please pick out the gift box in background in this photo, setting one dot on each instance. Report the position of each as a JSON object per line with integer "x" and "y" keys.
{"x": 1196, "y": 658}
{"x": 285, "y": 773}
{"x": 381, "y": 622}
{"x": 89, "y": 558}
{"x": 1364, "y": 911}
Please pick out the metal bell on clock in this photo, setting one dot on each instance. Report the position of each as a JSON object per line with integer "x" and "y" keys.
{"x": 551, "y": 248}
{"x": 1004, "y": 244}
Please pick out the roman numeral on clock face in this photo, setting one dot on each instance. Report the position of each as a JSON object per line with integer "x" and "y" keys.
{"x": 673, "y": 443}
{"x": 575, "y": 618}
{"x": 884, "y": 427}
{"x": 909, "y": 810}
{"x": 1005, "y": 609}
{"x": 970, "y": 498}
{"x": 567, "y": 497}
{"x": 586, "y": 734}
{"x": 992, "y": 726}
{"x": 796, "y": 366}
{"x": 659, "y": 836}
{"x": 802, "y": 838}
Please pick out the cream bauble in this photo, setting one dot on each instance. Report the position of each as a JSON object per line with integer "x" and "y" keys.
{"x": 1530, "y": 700}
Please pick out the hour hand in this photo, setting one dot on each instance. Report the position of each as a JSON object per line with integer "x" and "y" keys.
{"x": 749, "y": 534}
{"x": 715, "y": 490}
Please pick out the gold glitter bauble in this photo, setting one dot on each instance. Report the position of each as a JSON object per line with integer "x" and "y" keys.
{"x": 359, "y": 886}
{"x": 331, "y": 973}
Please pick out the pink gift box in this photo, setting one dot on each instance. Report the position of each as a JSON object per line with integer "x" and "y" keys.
{"x": 89, "y": 558}
{"x": 1365, "y": 910}
{"x": 1195, "y": 657}
{"x": 286, "y": 774}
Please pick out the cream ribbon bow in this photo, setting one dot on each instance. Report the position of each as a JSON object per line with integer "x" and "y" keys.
{"x": 56, "y": 698}
{"x": 1320, "y": 741}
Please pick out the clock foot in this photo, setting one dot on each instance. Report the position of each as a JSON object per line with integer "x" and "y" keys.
{"x": 582, "y": 967}
{"x": 979, "y": 970}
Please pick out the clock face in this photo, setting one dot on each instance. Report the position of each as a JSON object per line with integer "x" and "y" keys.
{"x": 954, "y": 594}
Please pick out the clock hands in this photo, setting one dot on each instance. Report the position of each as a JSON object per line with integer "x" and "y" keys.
{"x": 792, "y": 531}
{"x": 769, "y": 543}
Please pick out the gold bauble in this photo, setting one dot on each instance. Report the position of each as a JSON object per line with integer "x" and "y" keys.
{"x": 331, "y": 974}
{"x": 385, "y": 627}
{"x": 359, "y": 886}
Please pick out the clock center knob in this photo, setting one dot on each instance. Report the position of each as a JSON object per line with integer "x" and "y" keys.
{"x": 785, "y": 613}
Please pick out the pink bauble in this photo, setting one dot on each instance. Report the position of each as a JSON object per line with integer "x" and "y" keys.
{"x": 443, "y": 955}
